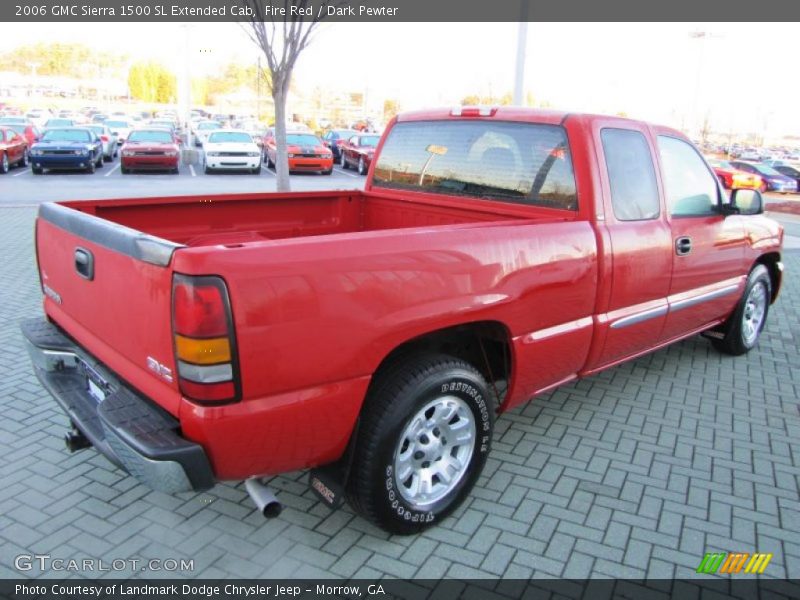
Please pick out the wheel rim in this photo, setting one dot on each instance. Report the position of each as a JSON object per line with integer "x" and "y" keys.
{"x": 5, "y": 163}
{"x": 360, "y": 166}
{"x": 434, "y": 451}
{"x": 754, "y": 310}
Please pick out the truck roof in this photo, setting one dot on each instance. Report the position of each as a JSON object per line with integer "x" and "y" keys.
{"x": 522, "y": 114}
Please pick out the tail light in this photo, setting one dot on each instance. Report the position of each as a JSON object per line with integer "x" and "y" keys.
{"x": 204, "y": 341}
{"x": 473, "y": 111}
{"x": 104, "y": 138}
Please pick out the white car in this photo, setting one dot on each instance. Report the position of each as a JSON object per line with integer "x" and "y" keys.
{"x": 202, "y": 129}
{"x": 231, "y": 149}
{"x": 121, "y": 127}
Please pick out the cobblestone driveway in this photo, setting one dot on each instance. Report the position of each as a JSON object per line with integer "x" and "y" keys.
{"x": 635, "y": 472}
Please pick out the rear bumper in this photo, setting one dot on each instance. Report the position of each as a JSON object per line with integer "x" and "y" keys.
{"x": 129, "y": 430}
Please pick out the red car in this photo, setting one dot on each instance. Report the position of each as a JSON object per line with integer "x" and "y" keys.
{"x": 306, "y": 153}
{"x": 22, "y": 126}
{"x": 150, "y": 150}
{"x": 733, "y": 178}
{"x": 14, "y": 149}
{"x": 374, "y": 335}
{"x": 358, "y": 151}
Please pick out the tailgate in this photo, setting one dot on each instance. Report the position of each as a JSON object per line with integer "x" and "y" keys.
{"x": 109, "y": 287}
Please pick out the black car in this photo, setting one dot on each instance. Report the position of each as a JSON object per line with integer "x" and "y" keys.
{"x": 334, "y": 138}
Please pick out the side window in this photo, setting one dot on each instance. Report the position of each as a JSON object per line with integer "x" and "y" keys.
{"x": 690, "y": 187}
{"x": 634, "y": 193}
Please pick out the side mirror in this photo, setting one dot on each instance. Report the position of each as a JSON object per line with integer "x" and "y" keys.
{"x": 747, "y": 202}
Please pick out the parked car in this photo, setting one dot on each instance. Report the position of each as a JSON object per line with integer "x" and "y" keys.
{"x": 789, "y": 171}
{"x": 13, "y": 149}
{"x": 26, "y": 129}
{"x": 107, "y": 137}
{"x": 119, "y": 127}
{"x": 733, "y": 178}
{"x": 306, "y": 153}
{"x": 373, "y": 335}
{"x": 38, "y": 116}
{"x": 771, "y": 180}
{"x": 358, "y": 151}
{"x": 231, "y": 150}
{"x": 67, "y": 148}
{"x": 202, "y": 129}
{"x": 334, "y": 139}
{"x": 749, "y": 154}
{"x": 150, "y": 149}
{"x": 99, "y": 117}
{"x": 59, "y": 122}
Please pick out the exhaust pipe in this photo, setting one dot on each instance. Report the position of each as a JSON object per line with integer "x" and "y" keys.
{"x": 75, "y": 440}
{"x": 263, "y": 498}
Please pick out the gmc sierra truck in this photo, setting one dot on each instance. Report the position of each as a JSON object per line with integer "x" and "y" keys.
{"x": 373, "y": 336}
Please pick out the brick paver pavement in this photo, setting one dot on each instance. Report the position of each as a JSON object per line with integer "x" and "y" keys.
{"x": 635, "y": 472}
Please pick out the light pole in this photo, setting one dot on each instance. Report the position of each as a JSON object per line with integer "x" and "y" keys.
{"x": 702, "y": 36}
{"x": 519, "y": 74}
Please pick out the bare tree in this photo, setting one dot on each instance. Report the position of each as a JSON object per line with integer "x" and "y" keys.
{"x": 281, "y": 42}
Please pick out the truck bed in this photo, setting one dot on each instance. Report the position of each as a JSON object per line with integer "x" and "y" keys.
{"x": 237, "y": 219}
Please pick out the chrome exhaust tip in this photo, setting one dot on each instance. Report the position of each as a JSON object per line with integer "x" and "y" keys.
{"x": 264, "y": 499}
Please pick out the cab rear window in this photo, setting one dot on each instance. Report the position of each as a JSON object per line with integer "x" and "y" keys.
{"x": 521, "y": 163}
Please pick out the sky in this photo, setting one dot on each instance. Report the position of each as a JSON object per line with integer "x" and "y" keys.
{"x": 653, "y": 71}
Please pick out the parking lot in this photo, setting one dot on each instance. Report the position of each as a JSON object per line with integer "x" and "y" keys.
{"x": 636, "y": 472}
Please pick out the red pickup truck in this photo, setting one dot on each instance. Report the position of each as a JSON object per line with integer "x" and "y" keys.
{"x": 372, "y": 336}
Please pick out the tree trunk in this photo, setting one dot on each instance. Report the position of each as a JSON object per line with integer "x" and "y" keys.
{"x": 281, "y": 154}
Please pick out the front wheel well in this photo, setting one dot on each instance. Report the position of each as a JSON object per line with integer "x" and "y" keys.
{"x": 772, "y": 261}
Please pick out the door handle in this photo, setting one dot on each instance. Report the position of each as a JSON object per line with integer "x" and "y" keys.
{"x": 84, "y": 263}
{"x": 683, "y": 245}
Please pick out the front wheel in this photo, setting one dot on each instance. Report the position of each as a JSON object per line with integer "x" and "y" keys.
{"x": 743, "y": 328}
{"x": 4, "y": 165}
{"x": 25, "y": 160}
{"x": 362, "y": 168}
{"x": 92, "y": 167}
{"x": 424, "y": 435}
{"x": 342, "y": 161}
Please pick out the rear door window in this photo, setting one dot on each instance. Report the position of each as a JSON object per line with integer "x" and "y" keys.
{"x": 632, "y": 177}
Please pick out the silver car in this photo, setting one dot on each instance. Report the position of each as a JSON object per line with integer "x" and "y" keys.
{"x": 109, "y": 139}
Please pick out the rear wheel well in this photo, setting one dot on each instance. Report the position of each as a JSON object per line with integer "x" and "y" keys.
{"x": 486, "y": 345}
{"x": 771, "y": 261}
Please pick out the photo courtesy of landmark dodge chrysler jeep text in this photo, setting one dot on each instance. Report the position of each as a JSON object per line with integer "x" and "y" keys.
{"x": 372, "y": 336}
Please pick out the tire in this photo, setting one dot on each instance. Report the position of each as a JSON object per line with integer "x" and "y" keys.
{"x": 362, "y": 169}
{"x": 270, "y": 164}
{"x": 108, "y": 158}
{"x": 206, "y": 169}
{"x": 124, "y": 170}
{"x": 176, "y": 171}
{"x": 257, "y": 170}
{"x": 37, "y": 170}
{"x": 393, "y": 424}
{"x": 328, "y": 172}
{"x": 92, "y": 167}
{"x": 25, "y": 160}
{"x": 743, "y": 328}
{"x": 342, "y": 160}
{"x": 99, "y": 163}
{"x": 4, "y": 166}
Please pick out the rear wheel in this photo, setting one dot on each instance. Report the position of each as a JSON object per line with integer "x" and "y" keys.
{"x": 362, "y": 168}
{"x": 4, "y": 166}
{"x": 25, "y": 160}
{"x": 743, "y": 328}
{"x": 257, "y": 170}
{"x": 342, "y": 160}
{"x": 37, "y": 170}
{"x": 424, "y": 435}
{"x": 91, "y": 167}
{"x": 124, "y": 170}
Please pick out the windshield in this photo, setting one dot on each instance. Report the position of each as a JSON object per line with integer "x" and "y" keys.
{"x": 369, "y": 140}
{"x": 522, "y": 163}
{"x": 209, "y": 125}
{"x": 98, "y": 129}
{"x": 110, "y": 123}
{"x": 67, "y": 135}
{"x": 239, "y": 137}
{"x": 58, "y": 122}
{"x": 720, "y": 164}
{"x": 20, "y": 120}
{"x": 302, "y": 139}
{"x": 765, "y": 170}
{"x": 159, "y": 137}
{"x": 20, "y": 129}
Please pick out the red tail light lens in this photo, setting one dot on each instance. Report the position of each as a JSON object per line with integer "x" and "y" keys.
{"x": 205, "y": 348}
{"x": 104, "y": 138}
{"x": 199, "y": 310}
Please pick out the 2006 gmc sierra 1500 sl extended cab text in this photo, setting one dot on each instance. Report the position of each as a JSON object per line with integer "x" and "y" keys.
{"x": 373, "y": 336}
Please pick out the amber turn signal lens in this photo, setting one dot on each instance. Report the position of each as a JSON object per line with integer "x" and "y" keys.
{"x": 210, "y": 351}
